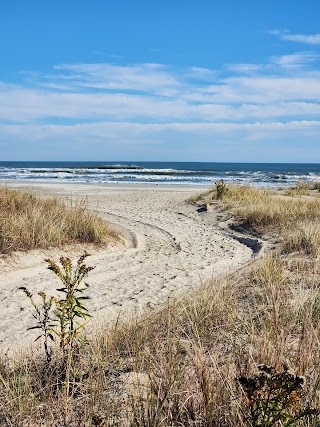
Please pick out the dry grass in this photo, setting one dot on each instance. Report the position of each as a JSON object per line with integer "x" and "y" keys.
{"x": 304, "y": 239}
{"x": 177, "y": 366}
{"x": 264, "y": 210}
{"x": 199, "y": 196}
{"x": 28, "y": 222}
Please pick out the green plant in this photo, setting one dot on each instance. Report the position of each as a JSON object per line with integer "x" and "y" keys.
{"x": 221, "y": 188}
{"x": 43, "y": 317}
{"x": 273, "y": 397}
{"x": 67, "y": 311}
{"x": 70, "y": 308}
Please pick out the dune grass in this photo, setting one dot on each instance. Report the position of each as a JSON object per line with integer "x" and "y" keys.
{"x": 187, "y": 363}
{"x": 291, "y": 216}
{"x": 29, "y": 222}
{"x": 263, "y": 209}
{"x": 293, "y": 219}
{"x": 179, "y": 365}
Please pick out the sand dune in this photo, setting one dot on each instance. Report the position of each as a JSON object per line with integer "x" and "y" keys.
{"x": 167, "y": 247}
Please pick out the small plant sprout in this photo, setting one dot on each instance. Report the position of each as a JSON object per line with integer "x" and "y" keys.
{"x": 45, "y": 322}
{"x": 274, "y": 397}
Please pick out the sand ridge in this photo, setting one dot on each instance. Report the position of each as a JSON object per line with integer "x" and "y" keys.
{"x": 167, "y": 247}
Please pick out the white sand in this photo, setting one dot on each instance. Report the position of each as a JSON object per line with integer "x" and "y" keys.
{"x": 167, "y": 248}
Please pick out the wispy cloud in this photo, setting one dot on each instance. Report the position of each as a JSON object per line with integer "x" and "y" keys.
{"x": 147, "y": 105}
{"x": 155, "y": 93}
{"x": 114, "y": 141}
{"x": 295, "y": 60}
{"x": 141, "y": 77}
{"x": 313, "y": 39}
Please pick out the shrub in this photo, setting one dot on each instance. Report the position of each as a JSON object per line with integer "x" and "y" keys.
{"x": 274, "y": 397}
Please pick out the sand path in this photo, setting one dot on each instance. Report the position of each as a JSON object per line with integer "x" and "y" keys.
{"x": 167, "y": 247}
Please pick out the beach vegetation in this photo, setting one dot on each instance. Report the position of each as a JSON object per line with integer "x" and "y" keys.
{"x": 220, "y": 189}
{"x": 303, "y": 239}
{"x": 44, "y": 319}
{"x": 300, "y": 189}
{"x": 265, "y": 210}
{"x": 275, "y": 397}
{"x": 29, "y": 222}
{"x": 198, "y": 197}
{"x": 63, "y": 317}
{"x": 193, "y": 361}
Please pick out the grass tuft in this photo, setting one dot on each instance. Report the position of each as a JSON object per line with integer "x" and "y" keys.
{"x": 29, "y": 222}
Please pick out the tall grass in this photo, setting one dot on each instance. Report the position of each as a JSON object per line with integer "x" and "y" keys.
{"x": 263, "y": 209}
{"x": 305, "y": 239}
{"x": 28, "y": 222}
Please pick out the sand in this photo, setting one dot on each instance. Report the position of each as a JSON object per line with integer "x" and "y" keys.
{"x": 166, "y": 248}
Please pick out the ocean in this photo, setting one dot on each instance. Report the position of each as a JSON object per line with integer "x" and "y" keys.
{"x": 178, "y": 173}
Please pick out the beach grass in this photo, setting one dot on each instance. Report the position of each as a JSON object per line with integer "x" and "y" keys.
{"x": 264, "y": 210}
{"x": 186, "y": 363}
{"x": 29, "y": 222}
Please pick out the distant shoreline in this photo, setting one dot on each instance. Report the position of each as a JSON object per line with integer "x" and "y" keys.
{"x": 194, "y": 174}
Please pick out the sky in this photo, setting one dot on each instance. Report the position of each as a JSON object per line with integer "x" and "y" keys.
{"x": 165, "y": 80}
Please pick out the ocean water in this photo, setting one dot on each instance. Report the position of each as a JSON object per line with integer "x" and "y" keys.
{"x": 181, "y": 173}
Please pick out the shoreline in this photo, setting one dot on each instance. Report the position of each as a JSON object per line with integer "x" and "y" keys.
{"x": 167, "y": 248}
{"x": 105, "y": 186}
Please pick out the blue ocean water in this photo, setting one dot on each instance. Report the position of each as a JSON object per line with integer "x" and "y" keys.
{"x": 182, "y": 173}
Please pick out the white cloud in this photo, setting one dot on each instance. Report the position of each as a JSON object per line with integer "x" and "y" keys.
{"x": 142, "y": 77}
{"x": 169, "y": 141}
{"x": 239, "y": 99}
{"x": 244, "y": 68}
{"x": 294, "y": 60}
{"x": 313, "y": 39}
{"x": 147, "y": 105}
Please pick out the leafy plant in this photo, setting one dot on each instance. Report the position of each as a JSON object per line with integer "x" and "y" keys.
{"x": 70, "y": 308}
{"x": 273, "y": 397}
{"x": 43, "y": 317}
{"x": 64, "y": 317}
{"x": 221, "y": 188}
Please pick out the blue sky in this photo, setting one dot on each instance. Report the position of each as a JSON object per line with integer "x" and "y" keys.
{"x": 180, "y": 80}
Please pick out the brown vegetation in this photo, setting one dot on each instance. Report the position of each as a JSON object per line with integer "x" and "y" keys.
{"x": 29, "y": 222}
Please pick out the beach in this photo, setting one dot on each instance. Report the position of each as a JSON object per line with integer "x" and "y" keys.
{"x": 166, "y": 248}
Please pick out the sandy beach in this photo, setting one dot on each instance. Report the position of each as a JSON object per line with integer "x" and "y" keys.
{"x": 166, "y": 248}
